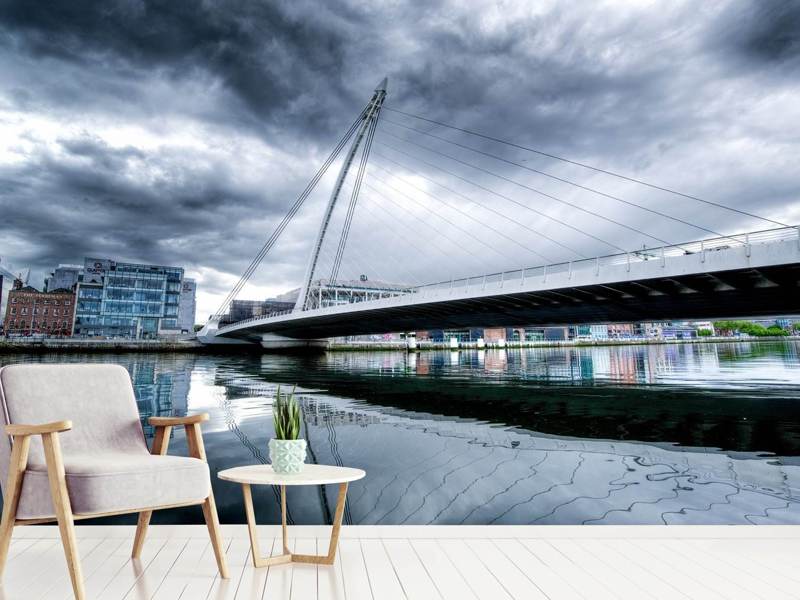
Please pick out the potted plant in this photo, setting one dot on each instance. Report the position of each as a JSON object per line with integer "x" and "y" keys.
{"x": 286, "y": 452}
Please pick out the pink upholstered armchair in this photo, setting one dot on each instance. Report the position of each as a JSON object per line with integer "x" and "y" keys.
{"x": 75, "y": 449}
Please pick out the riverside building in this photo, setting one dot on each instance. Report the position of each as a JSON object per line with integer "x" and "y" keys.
{"x": 63, "y": 277}
{"x": 188, "y": 306}
{"x": 5, "y": 282}
{"x": 129, "y": 300}
{"x": 31, "y": 312}
{"x": 7, "y": 278}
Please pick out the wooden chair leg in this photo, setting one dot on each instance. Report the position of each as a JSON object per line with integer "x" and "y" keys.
{"x": 212, "y": 522}
{"x": 160, "y": 445}
{"x": 194, "y": 439}
{"x": 16, "y": 471}
{"x": 141, "y": 532}
{"x": 66, "y": 524}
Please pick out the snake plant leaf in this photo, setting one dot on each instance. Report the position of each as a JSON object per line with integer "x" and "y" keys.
{"x": 286, "y": 415}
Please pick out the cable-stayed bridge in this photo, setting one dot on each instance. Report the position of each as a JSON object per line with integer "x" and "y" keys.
{"x": 437, "y": 199}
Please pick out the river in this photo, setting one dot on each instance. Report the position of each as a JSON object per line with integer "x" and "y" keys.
{"x": 676, "y": 434}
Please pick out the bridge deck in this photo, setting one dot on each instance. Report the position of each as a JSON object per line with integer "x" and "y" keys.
{"x": 702, "y": 280}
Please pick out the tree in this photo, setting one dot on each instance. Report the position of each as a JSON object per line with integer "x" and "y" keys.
{"x": 750, "y": 328}
{"x": 776, "y": 330}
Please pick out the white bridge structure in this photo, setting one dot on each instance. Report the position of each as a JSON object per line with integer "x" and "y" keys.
{"x": 723, "y": 276}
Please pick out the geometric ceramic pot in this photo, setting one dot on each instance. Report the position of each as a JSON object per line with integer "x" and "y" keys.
{"x": 287, "y": 456}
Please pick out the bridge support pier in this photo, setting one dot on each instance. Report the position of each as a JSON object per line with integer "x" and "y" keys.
{"x": 271, "y": 341}
{"x": 208, "y": 336}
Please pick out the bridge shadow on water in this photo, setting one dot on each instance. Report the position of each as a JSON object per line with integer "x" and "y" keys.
{"x": 706, "y": 433}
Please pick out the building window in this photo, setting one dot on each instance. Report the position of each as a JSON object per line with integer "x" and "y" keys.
{"x": 66, "y": 302}
{"x": 13, "y": 301}
{"x": 14, "y": 311}
{"x": 24, "y": 311}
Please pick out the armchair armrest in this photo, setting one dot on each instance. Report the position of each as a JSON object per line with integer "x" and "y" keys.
{"x": 194, "y": 436}
{"x": 42, "y": 428}
{"x": 173, "y": 421}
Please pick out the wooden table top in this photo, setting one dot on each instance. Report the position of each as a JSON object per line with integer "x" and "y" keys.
{"x": 311, "y": 475}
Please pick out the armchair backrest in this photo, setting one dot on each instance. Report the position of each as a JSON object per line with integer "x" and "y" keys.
{"x": 97, "y": 398}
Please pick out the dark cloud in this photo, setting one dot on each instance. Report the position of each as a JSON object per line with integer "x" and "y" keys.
{"x": 771, "y": 31}
{"x": 264, "y": 54}
{"x": 179, "y": 132}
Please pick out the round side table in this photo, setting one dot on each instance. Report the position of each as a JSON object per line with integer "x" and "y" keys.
{"x": 311, "y": 475}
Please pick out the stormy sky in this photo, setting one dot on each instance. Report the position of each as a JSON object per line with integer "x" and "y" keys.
{"x": 180, "y": 132}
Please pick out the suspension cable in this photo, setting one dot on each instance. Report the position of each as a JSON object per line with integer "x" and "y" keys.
{"x": 456, "y": 243}
{"x": 465, "y": 214}
{"x": 468, "y": 199}
{"x": 425, "y": 258}
{"x": 412, "y": 279}
{"x": 551, "y": 176}
{"x": 298, "y": 203}
{"x": 586, "y": 210}
{"x": 517, "y": 202}
{"x": 353, "y": 199}
{"x": 590, "y": 167}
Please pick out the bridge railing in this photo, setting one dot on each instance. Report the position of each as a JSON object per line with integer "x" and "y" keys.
{"x": 259, "y": 317}
{"x": 501, "y": 279}
{"x": 542, "y": 272}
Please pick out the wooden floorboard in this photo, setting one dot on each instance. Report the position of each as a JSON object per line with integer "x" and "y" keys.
{"x": 482, "y": 582}
{"x": 410, "y": 571}
{"x": 253, "y": 581}
{"x": 418, "y": 563}
{"x": 448, "y": 581}
{"x": 354, "y": 573}
{"x": 330, "y": 581}
{"x": 304, "y": 576}
{"x": 279, "y": 577}
{"x": 380, "y": 571}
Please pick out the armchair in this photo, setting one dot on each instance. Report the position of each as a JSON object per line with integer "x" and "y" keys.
{"x": 96, "y": 464}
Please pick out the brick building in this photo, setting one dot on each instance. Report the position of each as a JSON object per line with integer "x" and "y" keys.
{"x": 31, "y": 312}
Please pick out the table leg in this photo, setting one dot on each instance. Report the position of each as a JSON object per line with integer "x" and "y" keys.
{"x": 287, "y": 556}
{"x": 337, "y": 526}
{"x": 283, "y": 521}
{"x": 258, "y": 560}
{"x": 337, "y": 522}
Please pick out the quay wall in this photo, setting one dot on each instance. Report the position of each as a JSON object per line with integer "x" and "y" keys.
{"x": 53, "y": 345}
{"x": 48, "y": 345}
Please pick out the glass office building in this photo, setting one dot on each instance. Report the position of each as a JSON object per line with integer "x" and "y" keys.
{"x": 116, "y": 299}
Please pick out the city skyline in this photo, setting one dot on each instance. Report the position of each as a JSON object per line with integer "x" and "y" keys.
{"x": 184, "y": 143}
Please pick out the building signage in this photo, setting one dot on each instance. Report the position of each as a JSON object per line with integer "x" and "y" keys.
{"x": 95, "y": 268}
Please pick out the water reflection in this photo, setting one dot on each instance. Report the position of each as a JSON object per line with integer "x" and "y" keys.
{"x": 646, "y": 434}
{"x": 708, "y": 365}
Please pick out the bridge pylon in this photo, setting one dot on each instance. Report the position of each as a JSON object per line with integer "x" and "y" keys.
{"x": 365, "y": 130}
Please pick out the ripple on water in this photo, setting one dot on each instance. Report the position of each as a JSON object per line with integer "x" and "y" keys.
{"x": 625, "y": 434}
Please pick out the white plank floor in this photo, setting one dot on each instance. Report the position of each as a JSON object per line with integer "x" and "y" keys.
{"x": 420, "y": 563}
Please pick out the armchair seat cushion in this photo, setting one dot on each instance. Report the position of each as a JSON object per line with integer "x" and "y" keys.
{"x": 116, "y": 482}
